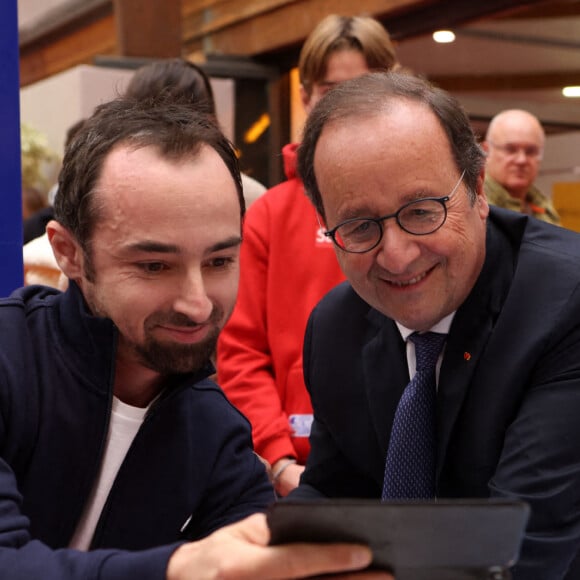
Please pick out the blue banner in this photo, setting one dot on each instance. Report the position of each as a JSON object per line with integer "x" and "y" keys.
{"x": 11, "y": 275}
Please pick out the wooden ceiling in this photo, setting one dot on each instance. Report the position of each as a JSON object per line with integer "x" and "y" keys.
{"x": 507, "y": 53}
{"x": 76, "y": 31}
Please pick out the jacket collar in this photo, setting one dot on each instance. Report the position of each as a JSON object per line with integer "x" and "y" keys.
{"x": 384, "y": 356}
{"x": 471, "y": 330}
{"x": 90, "y": 340}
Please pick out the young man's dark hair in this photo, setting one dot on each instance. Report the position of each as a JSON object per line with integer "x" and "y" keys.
{"x": 174, "y": 129}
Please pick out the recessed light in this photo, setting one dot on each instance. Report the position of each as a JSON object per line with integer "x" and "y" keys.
{"x": 571, "y": 91}
{"x": 443, "y": 36}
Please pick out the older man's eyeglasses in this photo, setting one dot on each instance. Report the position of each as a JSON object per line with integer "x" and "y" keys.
{"x": 420, "y": 218}
{"x": 513, "y": 149}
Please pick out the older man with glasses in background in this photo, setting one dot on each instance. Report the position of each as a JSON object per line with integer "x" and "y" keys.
{"x": 515, "y": 145}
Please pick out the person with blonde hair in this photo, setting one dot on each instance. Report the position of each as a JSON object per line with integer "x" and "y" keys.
{"x": 325, "y": 45}
{"x": 287, "y": 265}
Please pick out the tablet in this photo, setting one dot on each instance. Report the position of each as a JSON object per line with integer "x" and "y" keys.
{"x": 442, "y": 540}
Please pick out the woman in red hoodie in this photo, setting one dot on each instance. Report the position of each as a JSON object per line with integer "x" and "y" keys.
{"x": 287, "y": 265}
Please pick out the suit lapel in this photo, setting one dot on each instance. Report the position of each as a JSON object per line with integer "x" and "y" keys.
{"x": 385, "y": 374}
{"x": 469, "y": 334}
{"x": 384, "y": 357}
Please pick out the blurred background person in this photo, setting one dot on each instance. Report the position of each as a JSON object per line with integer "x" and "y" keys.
{"x": 514, "y": 144}
{"x": 287, "y": 265}
{"x": 181, "y": 79}
{"x": 32, "y": 201}
{"x": 35, "y": 224}
{"x": 40, "y": 165}
{"x": 40, "y": 266}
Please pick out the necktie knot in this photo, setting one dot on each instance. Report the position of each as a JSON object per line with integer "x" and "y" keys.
{"x": 428, "y": 347}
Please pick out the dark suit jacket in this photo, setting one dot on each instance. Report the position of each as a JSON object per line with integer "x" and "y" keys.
{"x": 508, "y": 396}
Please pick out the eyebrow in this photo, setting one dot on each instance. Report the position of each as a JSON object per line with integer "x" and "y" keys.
{"x": 366, "y": 212}
{"x": 151, "y": 246}
{"x": 225, "y": 244}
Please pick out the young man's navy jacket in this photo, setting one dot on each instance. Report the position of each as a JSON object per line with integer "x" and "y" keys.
{"x": 191, "y": 457}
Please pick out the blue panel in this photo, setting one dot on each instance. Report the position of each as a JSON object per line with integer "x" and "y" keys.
{"x": 10, "y": 173}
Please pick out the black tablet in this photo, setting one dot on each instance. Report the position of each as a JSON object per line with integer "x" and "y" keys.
{"x": 442, "y": 540}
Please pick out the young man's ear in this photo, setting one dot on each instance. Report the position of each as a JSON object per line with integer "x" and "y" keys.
{"x": 67, "y": 251}
{"x": 305, "y": 98}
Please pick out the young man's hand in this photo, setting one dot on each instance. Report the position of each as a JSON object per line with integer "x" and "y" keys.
{"x": 241, "y": 552}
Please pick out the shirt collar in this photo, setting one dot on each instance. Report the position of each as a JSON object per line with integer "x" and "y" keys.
{"x": 441, "y": 327}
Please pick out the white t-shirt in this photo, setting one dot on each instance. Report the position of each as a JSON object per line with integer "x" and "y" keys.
{"x": 124, "y": 424}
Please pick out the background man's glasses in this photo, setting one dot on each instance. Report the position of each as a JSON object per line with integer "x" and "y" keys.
{"x": 420, "y": 217}
{"x": 512, "y": 149}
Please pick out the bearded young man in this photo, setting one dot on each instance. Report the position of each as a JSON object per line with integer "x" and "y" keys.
{"x": 115, "y": 447}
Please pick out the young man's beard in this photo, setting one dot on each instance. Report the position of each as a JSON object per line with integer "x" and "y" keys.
{"x": 171, "y": 358}
{"x": 166, "y": 357}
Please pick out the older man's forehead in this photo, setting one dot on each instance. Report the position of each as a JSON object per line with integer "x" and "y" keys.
{"x": 402, "y": 119}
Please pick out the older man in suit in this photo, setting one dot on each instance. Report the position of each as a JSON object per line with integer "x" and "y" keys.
{"x": 394, "y": 171}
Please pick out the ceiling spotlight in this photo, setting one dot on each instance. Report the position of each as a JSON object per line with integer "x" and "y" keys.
{"x": 443, "y": 36}
{"x": 571, "y": 91}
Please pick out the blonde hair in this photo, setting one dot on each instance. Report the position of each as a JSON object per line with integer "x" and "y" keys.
{"x": 333, "y": 33}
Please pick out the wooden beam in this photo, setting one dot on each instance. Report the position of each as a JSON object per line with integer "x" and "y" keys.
{"x": 509, "y": 82}
{"x": 150, "y": 28}
{"x": 262, "y": 27}
{"x": 207, "y": 17}
{"x": 547, "y": 9}
{"x": 65, "y": 48}
{"x": 268, "y": 29}
{"x": 66, "y": 15}
{"x": 448, "y": 13}
{"x": 270, "y": 25}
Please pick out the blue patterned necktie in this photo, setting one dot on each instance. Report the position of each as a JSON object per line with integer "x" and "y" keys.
{"x": 410, "y": 465}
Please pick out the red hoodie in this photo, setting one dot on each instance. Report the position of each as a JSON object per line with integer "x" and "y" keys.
{"x": 287, "y": 265}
